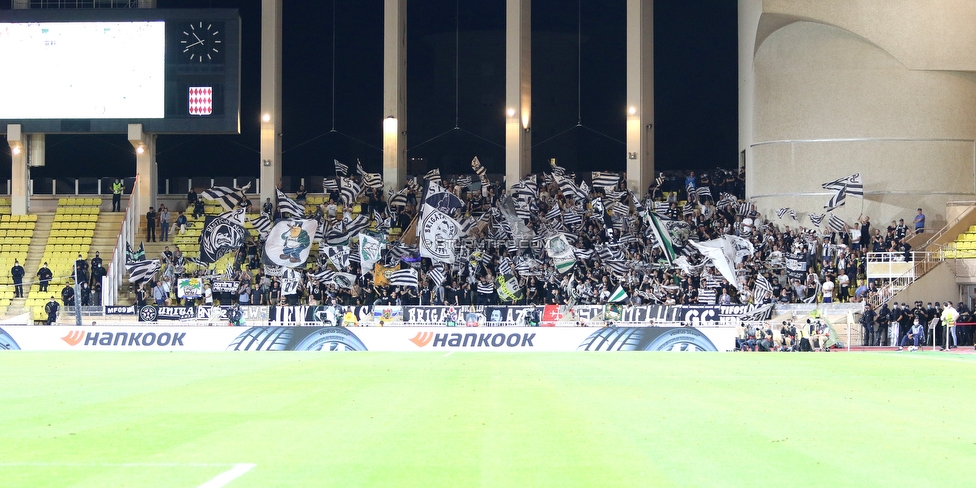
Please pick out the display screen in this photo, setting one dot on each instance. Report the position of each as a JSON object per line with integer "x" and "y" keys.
{"x": 82, "y": 70}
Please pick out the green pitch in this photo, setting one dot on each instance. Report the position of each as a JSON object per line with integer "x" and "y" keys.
{"x": 487, "y": 419}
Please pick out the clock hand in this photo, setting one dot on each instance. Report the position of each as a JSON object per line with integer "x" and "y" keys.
{"x": 198, "y": 38}
{"x": 191, "y": 45}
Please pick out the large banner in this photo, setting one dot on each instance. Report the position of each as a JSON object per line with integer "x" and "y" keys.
{"x": 289, "y": 242}
{"x": 796, "y": 267}
{"x": 584, "y": 315}
{"x": 418, "y": 339}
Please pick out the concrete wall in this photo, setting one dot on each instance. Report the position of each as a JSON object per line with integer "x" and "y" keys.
{"x": 938, "y": 285}
{"x": 836, "y": 87}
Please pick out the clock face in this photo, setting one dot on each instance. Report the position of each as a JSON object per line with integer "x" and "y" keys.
{"x": 202, "y": 42}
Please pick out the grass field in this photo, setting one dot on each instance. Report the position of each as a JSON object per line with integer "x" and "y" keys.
{"x": 486, "y": 419}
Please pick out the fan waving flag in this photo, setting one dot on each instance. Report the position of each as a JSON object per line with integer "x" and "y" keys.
{"x": 287, "y": 206}
{"x": 341, "y": 168}
{"x": 263, "y": 225}
{"x": 763, "y": 290}
{"x": 837, "y": 200}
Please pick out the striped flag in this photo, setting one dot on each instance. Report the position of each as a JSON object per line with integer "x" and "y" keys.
{"x": 330, "y": 184}
{"x": 569, "y": 188}
{"x": 373, "y": 180}
{"x": 707, "y": 296}
{"x": 620, "y": 209}
{"x": 605, "y": 180}
{"x": 618, "y": 295}
{"x": 229, "y": 198}
{"x": 817, "y": 219}
{"x": 398, "y": 199}
{"x": 688, "y": 209}
{"x": 781, "y": 212}
{"x": 349, "y": 191}
{"x": 463, "y": 181}
{"x": 436, "y": 276}
{"x": 357, "y": 225}
{"x": 505, "y": 266}
{"x": 763, "y": 290}
{"x": 662, "y": 237}
{"x": 572, "y": 217}
{"x": 142, "y": 270}
{"x": 433, "y": 175}
{"x": 838, "y": 200}
{"x": 850, "y": 184}
{"x": 836, "y": 224}
{"x": 288, "y": 206}
{"x": 262, "y": 224}
{"x": 323, "y": 277}
{"x": 359, "y": 168}
{"x": 485, "y": 288}
{"x": 744, "y": 208}
{"x": 618, "y": 268}
{"x": 553, "y": 214}
{"x": 404, "y": 277}
{"x": 556, "y": 169}
{"x": 341, "y": 168}
{"x": 704, "y": 192}
{"x": 726, "y": 200}
{"x": 659, "y": 180}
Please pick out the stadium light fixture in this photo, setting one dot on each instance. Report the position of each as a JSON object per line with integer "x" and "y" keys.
{"x": 140, "y": 149}
{"x": 511, "y": 112}
{"x": 266, "y": 118}
{"x": 632, "y": 110}
{"x": 15, "y": 150}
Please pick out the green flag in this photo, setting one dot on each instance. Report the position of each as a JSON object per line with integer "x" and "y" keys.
{"x": 619, "y": 295}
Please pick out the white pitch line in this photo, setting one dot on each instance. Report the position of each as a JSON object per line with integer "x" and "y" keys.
{"x": 227, "y": 476}
{"x": 448, "y": 354}
{"x": 117, "y": 465}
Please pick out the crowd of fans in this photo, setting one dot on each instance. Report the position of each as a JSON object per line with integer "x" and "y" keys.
{"x": 608, "y": 226}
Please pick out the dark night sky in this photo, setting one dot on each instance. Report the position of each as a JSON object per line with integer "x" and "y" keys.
{"x": 695, "y": 91}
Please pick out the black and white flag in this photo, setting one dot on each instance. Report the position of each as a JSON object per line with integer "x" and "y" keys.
{"x": 851, "y": 184}
{"x": 404, "y": 277}
{"x": 220, "y": 236}
{"x": 330, "y": 184}
{"x": 763, "y": 290}
{"x": 433, "y": 175}
{"x": 837, "y": 200}
{"x": 229, "y": 198}
{"x": 569, "y": 188}
{"x": 349, "y": 191}
{"x": 605, "y": 180}
{"x": 817, "y": 219}
{"x": 836, "y": 224}
{"x": 359, "y": 168}
{"x": 131, "y": 256}
{"x": 704, "y": 192}
{"x": 341, "y": 168}
{"x": 236, "y": 215}
{"x": 398, "y": 199}
{"x": 263, "y": 225}
{"x": 141, "y": 270}
{"x": 289, "y": 207}
{"x": 373, "y": 180}
{"x": 479, "y": 169}
{"x": 436, "y": 276}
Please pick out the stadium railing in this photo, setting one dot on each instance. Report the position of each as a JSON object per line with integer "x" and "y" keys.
{"x": 116, "y": 267}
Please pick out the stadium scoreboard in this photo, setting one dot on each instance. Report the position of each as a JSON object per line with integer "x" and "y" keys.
{"x": 175, "y": 71}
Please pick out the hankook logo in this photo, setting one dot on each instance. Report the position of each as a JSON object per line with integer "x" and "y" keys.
{"x": 491, "y": 339}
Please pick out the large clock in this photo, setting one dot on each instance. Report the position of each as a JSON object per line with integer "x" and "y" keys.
{"x": 201, "y": 42}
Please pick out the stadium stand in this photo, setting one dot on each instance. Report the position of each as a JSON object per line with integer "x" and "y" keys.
{"x": 964, "y": 246}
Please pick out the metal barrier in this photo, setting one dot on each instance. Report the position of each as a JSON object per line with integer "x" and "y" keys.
{"x": 116, "y": 266}
{"x": 922, "y": 262}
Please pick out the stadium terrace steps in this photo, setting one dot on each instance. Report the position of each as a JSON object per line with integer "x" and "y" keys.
{"x": 35, "y": 253}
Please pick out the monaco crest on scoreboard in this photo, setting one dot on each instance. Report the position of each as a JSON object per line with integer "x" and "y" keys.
{"x": 200, "y": 100}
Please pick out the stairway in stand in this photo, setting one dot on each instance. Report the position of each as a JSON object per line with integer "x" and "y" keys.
{"x": 42, "y": 230}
